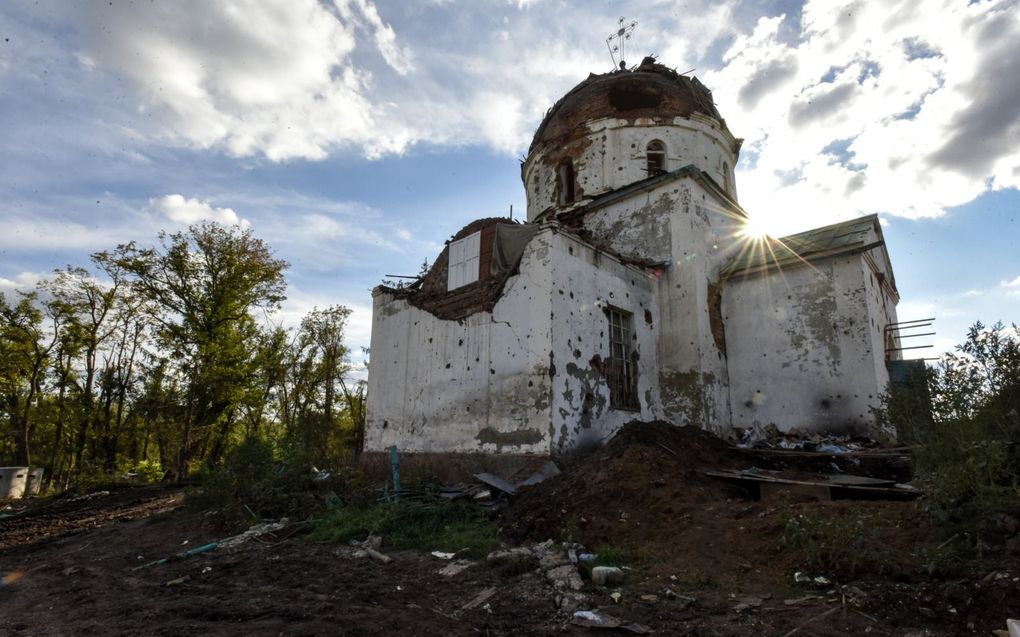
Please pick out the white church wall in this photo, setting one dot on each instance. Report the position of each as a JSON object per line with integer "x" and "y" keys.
{"x": 584, "y": 283}
{"x": 480, "y": 384}
{"x": 800, "y": 349}
{"x": 613, "y": 155}
{"x": 882, "y": 312}
{"x": 683, "y": 226}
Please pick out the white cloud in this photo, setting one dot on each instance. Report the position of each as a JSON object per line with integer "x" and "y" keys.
{"x": 399, "y": 58}
{"x": 290, "y": 79}
{"x": 1011, "y": 287}
{"x": 899, "y": 108}
{"x": 188, "y": 211}
{"x": 902, "y": 108}
{"x": 251, "y": 77}
{"x": 321, "y": 235}
{"x": 23, "y": 282}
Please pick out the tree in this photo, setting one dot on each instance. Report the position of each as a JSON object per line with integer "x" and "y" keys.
{"x": 317, "y": 401}
{"x": 204, "y": 285}
{"x": 967, "y": 453}
{"x": 87, "y": 306}
{"x": 23, "y": 360}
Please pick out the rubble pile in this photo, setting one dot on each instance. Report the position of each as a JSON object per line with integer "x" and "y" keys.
{"x": 647, "y": 475}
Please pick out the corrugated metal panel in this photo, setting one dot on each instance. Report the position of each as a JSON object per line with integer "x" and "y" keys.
{"x": 793, "y": 248}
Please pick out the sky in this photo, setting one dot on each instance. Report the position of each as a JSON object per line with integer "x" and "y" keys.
{"x": 356, "y": 136}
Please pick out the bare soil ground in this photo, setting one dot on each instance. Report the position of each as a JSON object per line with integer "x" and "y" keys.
{"x": 69, "y": 566}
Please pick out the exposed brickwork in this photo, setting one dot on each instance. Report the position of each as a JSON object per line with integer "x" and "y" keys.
{"x": 650, "y": 91}
{"x": 430, "y": 293}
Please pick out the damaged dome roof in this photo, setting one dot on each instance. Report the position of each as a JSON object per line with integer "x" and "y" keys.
{"x": 648, "y": 90}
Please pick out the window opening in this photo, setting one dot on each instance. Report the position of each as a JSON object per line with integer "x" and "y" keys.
{"x": 656, "y": 157}
{"x": 622, "y": 372}
{"x": 566, "y": 182}
{"x": 726, "y": 177}
{"x": 462, "y": 261}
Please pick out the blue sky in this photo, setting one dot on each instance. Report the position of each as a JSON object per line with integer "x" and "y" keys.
{"x": 356, "y": 136}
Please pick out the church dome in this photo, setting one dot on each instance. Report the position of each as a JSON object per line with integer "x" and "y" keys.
{"x": 650, "y": 90}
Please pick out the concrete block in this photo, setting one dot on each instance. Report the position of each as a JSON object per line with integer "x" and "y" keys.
{"x": 35, "y": 479}
{"x": 13, "y": 481}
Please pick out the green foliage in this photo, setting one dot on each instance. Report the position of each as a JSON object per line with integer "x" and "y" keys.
{"x": 253, "y": 480}
{"x": 967, "y": 455}
{"x": 431, "y": 525}
{"x": 161, "y": 352}
{"x": 147, "y": 470}
{"x": 843, "y": 544}
{"x": 607, "y": 555}
{"x": 945, "y": 560}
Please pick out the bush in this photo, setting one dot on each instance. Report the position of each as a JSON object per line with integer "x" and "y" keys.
{"x": 252, "y": 480}
{"x": 832, "y": 544}
{"x": 147, "y": 471}
{"x": 428, "y": 524}
{"x": 606, "y": 555}
{"x": 967, "y": 453}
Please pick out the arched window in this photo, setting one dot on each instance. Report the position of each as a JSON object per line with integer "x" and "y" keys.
{"x": 726, "y": 177}
{"x": 655, "y": 154}
{"x": 566, "y": 179}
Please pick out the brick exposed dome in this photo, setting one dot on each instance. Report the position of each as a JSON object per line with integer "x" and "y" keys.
{"x": 650, "y": 90}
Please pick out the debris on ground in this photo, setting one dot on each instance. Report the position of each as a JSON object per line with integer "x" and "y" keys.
{"x": 592, "y": 619}
{"x": 699, "y": 553}
{"x": 606, "y": 576}
{"x": 253, "y": 532}
{"x": 747, "y": 602}
{"x": 88, "y": 496}
{"x": 198, "y": 550}
{"x": 547, "y": 470}
{"x": 481, "y": 598}
{"x": 497, "y": 483}
{"x": 455, "y": 568}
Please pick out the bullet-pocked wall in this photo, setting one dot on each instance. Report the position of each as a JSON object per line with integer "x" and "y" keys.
{"x": 532, "y": 376}
{"x": 475, "y": 384}
{"x": 693, "y": 234}
{"x": 588, "y": 287}
{"x": 615, "y": 153}
{"x": 803, "y": 351}
{"x": 618, "y": 128}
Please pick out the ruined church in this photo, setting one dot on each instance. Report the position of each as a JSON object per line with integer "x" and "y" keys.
{"x": 633, "y": 291}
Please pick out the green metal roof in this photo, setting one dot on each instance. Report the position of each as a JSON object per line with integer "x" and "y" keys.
{"x": 825, "y": 241}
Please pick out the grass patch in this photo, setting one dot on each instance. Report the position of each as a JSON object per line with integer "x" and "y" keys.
{"x": 832, "y": 543}
{"x": 430, "y": 525}
{"x": 606, "y": 555}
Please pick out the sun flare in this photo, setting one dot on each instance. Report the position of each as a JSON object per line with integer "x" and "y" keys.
{"x": 754, "y": 228}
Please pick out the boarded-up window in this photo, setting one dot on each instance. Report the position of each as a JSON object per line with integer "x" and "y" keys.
{"x": 463, "y": 261}
{"x": 622, "y": 372}
{"x": 656, "y": 157}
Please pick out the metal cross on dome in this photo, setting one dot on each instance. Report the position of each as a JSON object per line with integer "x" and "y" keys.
{"x": 617, "y": 42}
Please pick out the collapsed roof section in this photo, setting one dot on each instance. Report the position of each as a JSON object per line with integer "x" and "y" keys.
{"x": 501, "y": 245}
{"x": 648, "y": 90}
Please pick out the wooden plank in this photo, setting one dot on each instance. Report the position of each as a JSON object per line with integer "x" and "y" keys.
{"x": 898, "y": 452}
{"x": 741, "y": 476}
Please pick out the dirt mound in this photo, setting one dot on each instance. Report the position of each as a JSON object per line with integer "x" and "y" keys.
{"x": 634, "y": 488}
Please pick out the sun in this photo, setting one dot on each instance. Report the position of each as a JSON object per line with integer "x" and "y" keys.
{"x": 754, "y": 228}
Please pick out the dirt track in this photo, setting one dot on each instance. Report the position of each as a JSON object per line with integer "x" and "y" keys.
{"x": 72, "y": 565}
